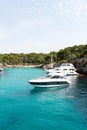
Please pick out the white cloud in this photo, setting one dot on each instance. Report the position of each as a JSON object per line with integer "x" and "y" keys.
{"x": 3, "y": 35}
{"x": 75, "y": 10}
{"x": 25, "y": 24}
{"x": 33, "y": 23}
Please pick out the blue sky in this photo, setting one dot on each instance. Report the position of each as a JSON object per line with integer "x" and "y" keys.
{"x": 42, "y": 25}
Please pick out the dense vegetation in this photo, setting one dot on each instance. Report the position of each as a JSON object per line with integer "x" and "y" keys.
{"x": 69, "y": 54}
{"x": 76, "y": 54}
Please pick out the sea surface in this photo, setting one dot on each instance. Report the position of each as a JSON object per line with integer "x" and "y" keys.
{"x": 22, "y": 107}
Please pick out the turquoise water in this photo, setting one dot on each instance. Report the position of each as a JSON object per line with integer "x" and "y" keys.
{"x": 24, "y": 108}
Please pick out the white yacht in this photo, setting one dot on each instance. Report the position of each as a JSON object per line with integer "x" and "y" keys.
{"x": 51, "y": 70}
{"x": 50, "y": 81}
{"x": 65, "y": 69}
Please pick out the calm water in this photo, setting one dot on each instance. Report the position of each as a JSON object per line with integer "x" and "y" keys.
{"x": 24, "y": 108}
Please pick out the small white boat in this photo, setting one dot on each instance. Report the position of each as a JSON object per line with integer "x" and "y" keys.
{"x": 50, "y": 81}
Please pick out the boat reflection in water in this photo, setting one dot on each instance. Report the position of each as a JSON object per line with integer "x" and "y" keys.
{"x": 49, "y": 81}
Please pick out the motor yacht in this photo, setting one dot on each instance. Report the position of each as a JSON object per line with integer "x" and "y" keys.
{"x": 49, "y": 81}
{"x": 65, "y": 69}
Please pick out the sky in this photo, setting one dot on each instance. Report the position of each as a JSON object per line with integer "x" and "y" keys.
{"x": 42, "y": 26}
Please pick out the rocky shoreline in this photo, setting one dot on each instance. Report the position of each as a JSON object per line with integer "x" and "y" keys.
{"x": 80, "y": 64}
{"x": 18, "y": 66}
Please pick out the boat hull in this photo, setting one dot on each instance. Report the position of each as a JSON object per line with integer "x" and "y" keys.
{"x": 49, "y": 84}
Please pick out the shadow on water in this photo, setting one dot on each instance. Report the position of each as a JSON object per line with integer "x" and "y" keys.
{"x": 78, "y": 90}
{"x": 82, "y": 81}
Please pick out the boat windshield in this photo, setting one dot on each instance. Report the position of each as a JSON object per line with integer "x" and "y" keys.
{"x": 56, "y": 76}
{"x": 53, "y": 76}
